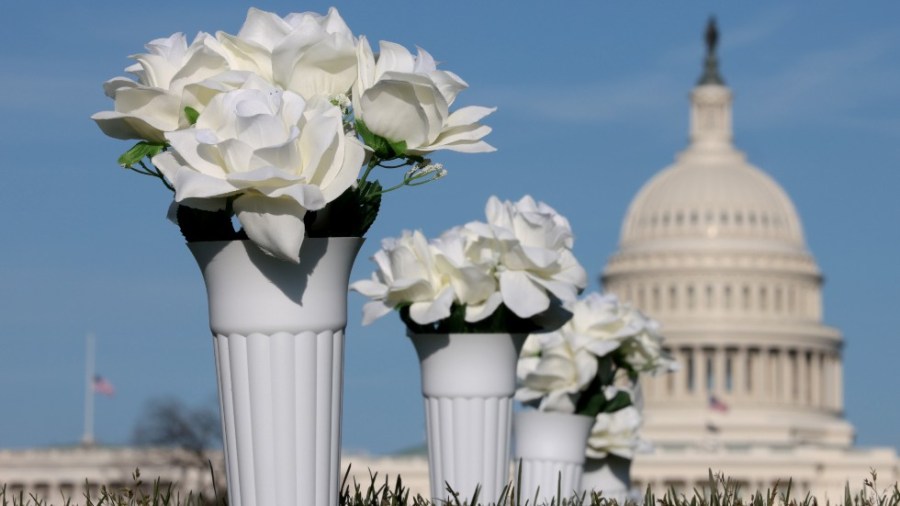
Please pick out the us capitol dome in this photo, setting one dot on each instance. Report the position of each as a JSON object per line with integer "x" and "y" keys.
{"x": 713, "y": 248}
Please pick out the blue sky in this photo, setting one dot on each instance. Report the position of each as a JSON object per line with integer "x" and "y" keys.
{"x": 592, "y": 100}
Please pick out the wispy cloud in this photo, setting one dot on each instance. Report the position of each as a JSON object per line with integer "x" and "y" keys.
{"x": 836, "y": 84}
{"x": 631, "y": 97}
{"x": 636, "y": 98}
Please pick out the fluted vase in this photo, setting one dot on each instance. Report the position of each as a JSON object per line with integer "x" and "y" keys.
{"x": 468, "y": 382}
{"x": 278, "y": 336}
{"x": 610, "y": 476}
{"x": 550, "y": 450}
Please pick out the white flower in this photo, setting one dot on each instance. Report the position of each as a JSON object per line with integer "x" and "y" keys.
{"x": 615, "y": 433}
{"x": 533, "y": 247}
{"x": 601, "y": 323}
{"x": 472, "y": 279}
{"x": 278, "y": 154}
{"x": 307, "y": 53}
{"x": 553, "y": 373}
{"x": 604, "y": 324}
{"x": 404, "y": 98}
{"x": 644, "y": 351}
{"x": 153, "y": 105}
{"x": 406, "y": 275}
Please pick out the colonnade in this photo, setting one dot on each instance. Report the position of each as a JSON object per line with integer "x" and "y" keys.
{"x": 777, "y": 375}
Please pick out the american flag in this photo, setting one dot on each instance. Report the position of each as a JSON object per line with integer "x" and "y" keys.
{"x": 102, "y": 386}
{"x": 716, "y": 405}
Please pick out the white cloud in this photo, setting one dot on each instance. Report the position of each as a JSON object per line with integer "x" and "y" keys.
{"x": 837, "y": 84}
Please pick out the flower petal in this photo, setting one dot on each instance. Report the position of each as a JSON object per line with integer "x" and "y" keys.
{"x": 273, "y": 224}
{"x": 521, "y": 296}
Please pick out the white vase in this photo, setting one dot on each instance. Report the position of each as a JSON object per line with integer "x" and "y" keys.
{"x": 468, "y": 381}
{"x": 550, "y": 449}
{"x": 610, "y": 475}
{"x": 278, "y": 335}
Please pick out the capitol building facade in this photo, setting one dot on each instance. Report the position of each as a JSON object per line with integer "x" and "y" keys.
{"x": 713, "y": 248}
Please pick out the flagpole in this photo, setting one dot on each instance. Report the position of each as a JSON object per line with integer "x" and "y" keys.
{"x": 88, "y": 438}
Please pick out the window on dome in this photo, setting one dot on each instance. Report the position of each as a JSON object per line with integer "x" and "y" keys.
{"x": 691, "y": 300}
{"x": 673, "y": 297}
{"x": 765, "y": 220}
{"x": 723, "y": 218}
{"x": 695, "y": 218}
{"x": 656, "y": 297}
{"x": 654, "y": 220}
{"x": 679, "y": 218}
{"x": 709, "y": 216}
{"x": 641, "y": 298}
{"x": 751, "y": 217}
{"x": 745, "y": 297}
{"x": 763, "y": 298}
{"x": 726, "y": 299}
{"x": 738, "y": 218}
{"x": 665, "y": 219}
{"x": 710, "y": 291}
{"x": 778, "y": 298}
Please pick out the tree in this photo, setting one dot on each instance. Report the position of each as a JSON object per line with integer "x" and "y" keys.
{"x": 169, "y": 422}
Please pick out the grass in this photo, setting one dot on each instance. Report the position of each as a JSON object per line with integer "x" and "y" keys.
{"x": 722, "y": 492}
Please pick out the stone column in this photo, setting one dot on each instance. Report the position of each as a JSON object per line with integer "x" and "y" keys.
{"x": 739, "y": 373}
{"x": 802, "y": 372}
{"x": 761, "y": 376}
{"x": 699, "y": 372}
{"x": 839, "y": 383}
{"x": 787, "y": 384}
{"x": 828, "y": 382}
{"x": 680, "y": 376}
{"x": 815, "y": 376}
{"x": 719, "y": 368}
{"x": 704, "y": 363}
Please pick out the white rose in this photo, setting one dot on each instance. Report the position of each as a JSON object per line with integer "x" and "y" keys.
{"x": 472, "y": 278}
{"x": 404, "y": 98}
{"x": 644, "y": 350}
{"x": 406, "y": 275}
{"x": 307, "y": 53}
{"x": 154, "y": 105}
{"x": 603, "y": 324}
{"x": 552, "y": 373}
{"x": 615, "y": 433}
{"x": 600, "y": 323}
{"x": 278, "y": 154}
{"x": 534, "y": 256}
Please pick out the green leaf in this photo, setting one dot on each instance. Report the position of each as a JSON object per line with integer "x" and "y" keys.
{"x": 140, "y": 151}
{"x": 349, "y": 215}
{"x": 398, "y": 147}
{"x": 191, "y": 114}
{"x": 383, "y": 148}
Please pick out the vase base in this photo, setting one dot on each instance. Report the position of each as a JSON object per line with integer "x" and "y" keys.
{"x": 280, "y": 396}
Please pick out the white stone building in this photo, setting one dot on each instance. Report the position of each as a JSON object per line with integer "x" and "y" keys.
{"x": 55, "y": 474}
{"x": 713, "y": 248}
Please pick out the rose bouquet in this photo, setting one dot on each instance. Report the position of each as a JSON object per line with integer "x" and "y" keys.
{"x": 591, "y": 365}
{"x": 283, "y": 125}
{"x": 511, "y": 273}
